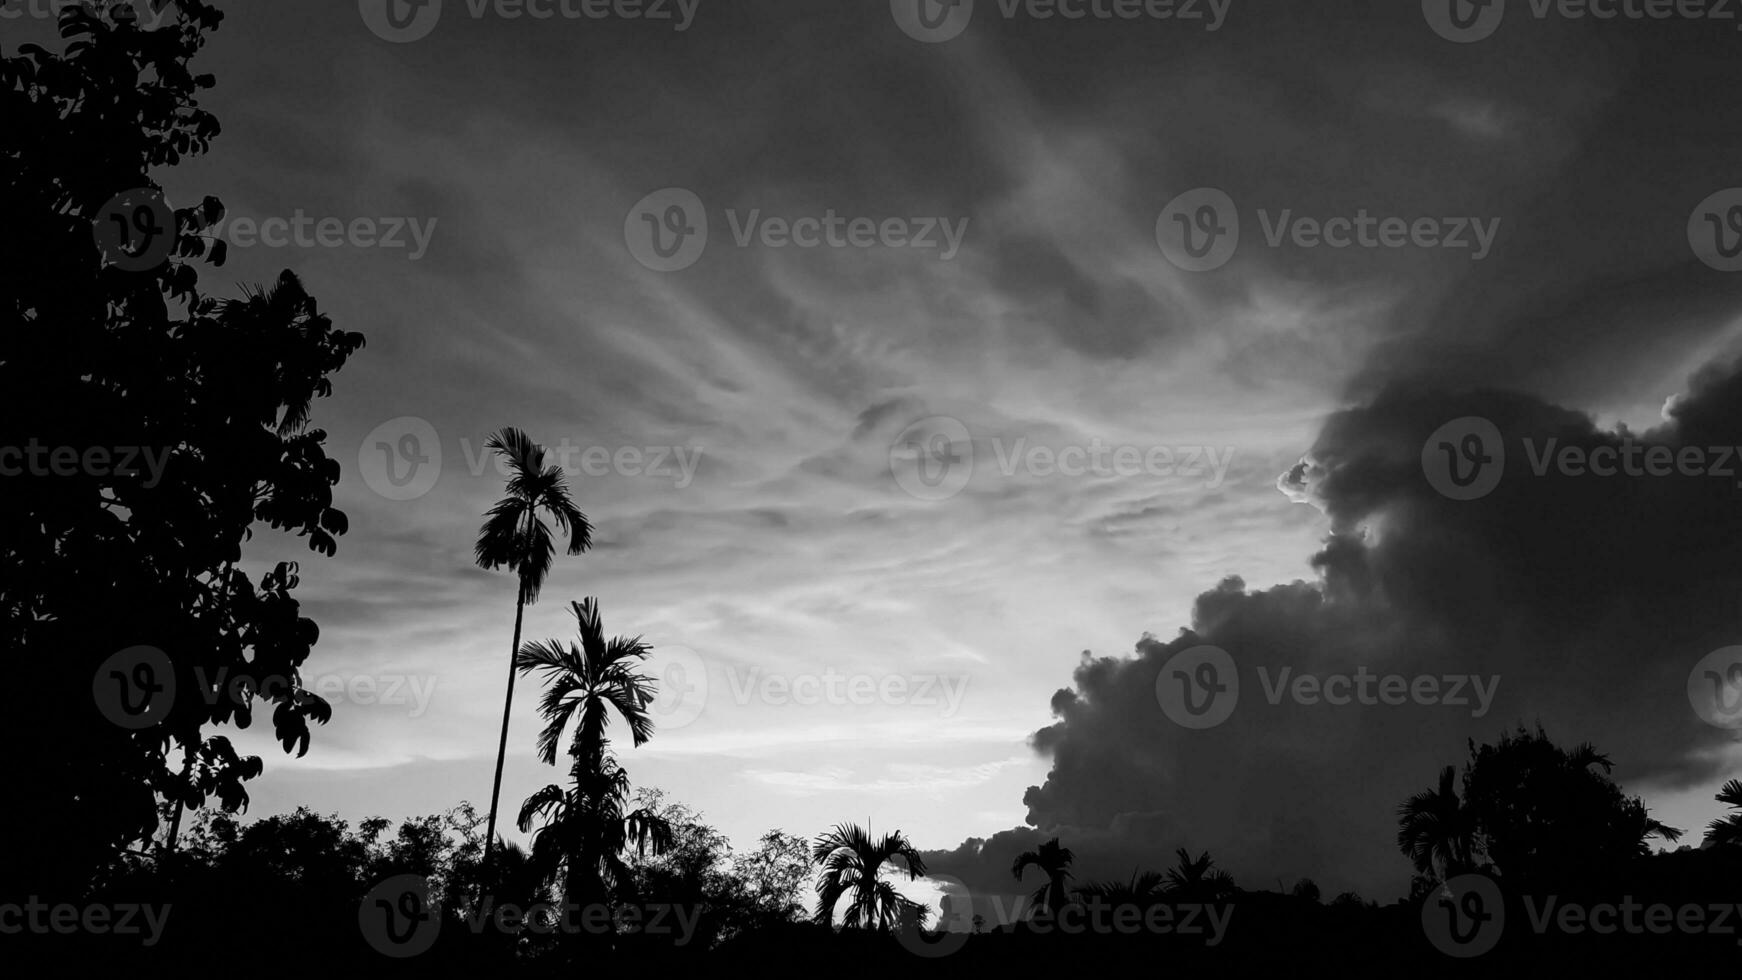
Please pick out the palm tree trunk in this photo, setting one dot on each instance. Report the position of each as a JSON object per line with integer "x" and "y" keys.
{"x": 502, "y": 744}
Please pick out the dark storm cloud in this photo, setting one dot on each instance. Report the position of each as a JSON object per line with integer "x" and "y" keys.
{"x": 1586, "y": 599}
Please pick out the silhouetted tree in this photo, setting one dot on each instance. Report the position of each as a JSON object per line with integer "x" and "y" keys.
{"x": 1436, "y": 831}
{"x": 1198, "y": 879}
{"x": 1054, "y": 861}
{"x": 1144, "y": 889}
{"x": 1726, "y": 831}
{"x": 853, "y": 865}
{"x": 515, "y": 536}
{"x": 588, "y": 827}
{"x": 188, "y": 419}
{"x": 1537, "y": 814}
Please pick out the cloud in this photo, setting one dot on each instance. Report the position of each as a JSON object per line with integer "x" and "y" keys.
{"x": 1584, "y": 600}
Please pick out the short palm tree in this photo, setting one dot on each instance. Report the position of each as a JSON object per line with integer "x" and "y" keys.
{"x": 1726, "y": 831}
{"x": 1198, "y": 879}
{"x": 587, "y": 828}
{"x": 515, "y": 536}
{"x": 1053, "y": 861}
{"x": 586, "y": 832}
{"x": 853, "y": 865}
{"x": 1436, "y": 831}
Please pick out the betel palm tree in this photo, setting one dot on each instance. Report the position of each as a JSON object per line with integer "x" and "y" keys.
{"x": 589, "y": 682}
{"x": 586, "y": 832}
{"x": 853, "y": 865}
{"x": 1053, "y": 861}
{"x": 515, "y": 536}
{"x": 1437, "y": 832}
{"x": 586, "y": 827}
{"x": 1198, "y": 879}
{"x": 1726, "y": 831}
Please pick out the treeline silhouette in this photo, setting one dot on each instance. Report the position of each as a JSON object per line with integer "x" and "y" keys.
{"x": 104, "y": 347}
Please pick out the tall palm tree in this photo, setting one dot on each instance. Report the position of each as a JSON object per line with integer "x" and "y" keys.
{"x": 1436, "y": 831}
{"x": 1726, "y": 831}
{"x": 853, "y": 864}
{"x": 1054, "y": 862}
{"x": 1198, "y": 879}
{"x": 515, "y": 536}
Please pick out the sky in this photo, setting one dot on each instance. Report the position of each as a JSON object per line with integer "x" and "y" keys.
{"x": 995, "y": 208}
